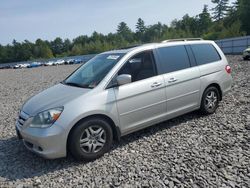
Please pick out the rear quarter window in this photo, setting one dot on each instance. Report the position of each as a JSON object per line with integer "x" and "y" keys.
{"x": 173, "y": 58}
{"x": 205, "y": 53}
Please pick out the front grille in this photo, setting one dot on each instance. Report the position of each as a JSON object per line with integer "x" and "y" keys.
{"x": 22, "y": 118}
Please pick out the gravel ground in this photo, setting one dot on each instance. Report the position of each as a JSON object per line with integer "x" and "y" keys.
{"x": 188, "y": 151}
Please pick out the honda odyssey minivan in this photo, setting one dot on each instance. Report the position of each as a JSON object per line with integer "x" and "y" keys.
{"x": 119, "y": 92}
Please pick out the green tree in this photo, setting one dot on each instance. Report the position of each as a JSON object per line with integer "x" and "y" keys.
{"x": 66, "y": 45}
{"x": 232, "y": 30}
{"x": 205, "y": 20}
{"x": 214, "y": 31}
{"x": 77, "y": 49}
{"x": 232, "y": 15}
{"x": 244, "y": 14}
{"x": 25, "y": 51}
{"x": 3, "y": 54}
{"x": 140, "y": 26}
{"x": 220, "y": 10}
{"x": 190, "y": 24}
{"x": 42, "y": 50}
{"x": 124, "y": 31}
{"x": 97, "y": 37}
{"x": 57, "y": 46}
{"x": 154, "y": 33}
{"x": 140, "y": 29}
{"x": 81, "y": 40}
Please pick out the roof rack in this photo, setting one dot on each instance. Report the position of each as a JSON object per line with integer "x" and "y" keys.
{"x": 130, "y": 46}
{"x": 182, "y": 39}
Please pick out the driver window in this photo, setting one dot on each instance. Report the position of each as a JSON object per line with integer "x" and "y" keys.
{"x": 140, "y": 66}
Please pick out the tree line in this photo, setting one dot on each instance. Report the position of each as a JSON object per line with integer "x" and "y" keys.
{"x": 222, "y": 21}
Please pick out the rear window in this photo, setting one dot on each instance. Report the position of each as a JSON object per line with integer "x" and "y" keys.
{"x": 173, "y": 58}
{"x": 205, "y": 53}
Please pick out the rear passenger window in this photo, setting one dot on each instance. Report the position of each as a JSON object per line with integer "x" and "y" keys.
{"x": 205, "y": 53}
{"x": 173, "y": 58}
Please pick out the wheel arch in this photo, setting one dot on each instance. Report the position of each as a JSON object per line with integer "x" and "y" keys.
{"x": 115, "y": 129}
{"x": 217, "y": 86}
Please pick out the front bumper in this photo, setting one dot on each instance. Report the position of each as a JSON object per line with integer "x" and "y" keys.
{"x": 48, "y": 143}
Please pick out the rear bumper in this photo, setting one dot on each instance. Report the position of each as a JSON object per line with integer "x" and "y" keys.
{"x": 49, "y": 143}
{"x": 227, "y": 85}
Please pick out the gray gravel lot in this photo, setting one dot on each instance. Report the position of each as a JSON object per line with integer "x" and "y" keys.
{"x": 188, "y": 151}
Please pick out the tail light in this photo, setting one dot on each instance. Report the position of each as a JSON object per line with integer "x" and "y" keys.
{"x": 228, "y": 69}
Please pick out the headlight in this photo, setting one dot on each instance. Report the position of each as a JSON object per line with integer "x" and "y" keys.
{"x": 46, "y": 118}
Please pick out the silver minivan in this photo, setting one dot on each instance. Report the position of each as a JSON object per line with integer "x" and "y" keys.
{"x": 122, "y": 91}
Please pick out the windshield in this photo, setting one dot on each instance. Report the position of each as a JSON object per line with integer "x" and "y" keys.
{"x": 91, "y": 73}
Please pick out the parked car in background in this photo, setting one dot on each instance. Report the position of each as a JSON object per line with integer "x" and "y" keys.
{"x": 19, "y": 66}
{"x": 49, "y": 63}
{"x": 8, "y": 67}
{"x": 119, "y": 92}
{"x": 69, "y": 61}
{"x": 78, "y": 61}
{"x": 25, "y": 65}
{"x": 59, "y": 62}
{"x": 246, "y": 53}
{"x": 34, "y": 64}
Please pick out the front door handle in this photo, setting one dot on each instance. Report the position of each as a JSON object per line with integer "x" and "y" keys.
{"x": 171, "y": 80}
{"x": 156, "y": 84}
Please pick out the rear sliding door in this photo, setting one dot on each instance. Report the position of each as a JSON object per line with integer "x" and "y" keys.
{"x": 182, "y": 79}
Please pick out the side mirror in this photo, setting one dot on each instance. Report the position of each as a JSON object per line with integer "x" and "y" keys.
{"x": 123, "y": 79}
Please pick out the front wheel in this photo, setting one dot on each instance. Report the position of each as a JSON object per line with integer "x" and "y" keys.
{"x": 210, "y": 100}
{"x": 90, "y": 139}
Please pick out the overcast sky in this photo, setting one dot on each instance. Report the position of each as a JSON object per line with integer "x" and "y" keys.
{"x": 48, "y": 19}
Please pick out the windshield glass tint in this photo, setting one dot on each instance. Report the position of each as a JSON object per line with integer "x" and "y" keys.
{"x": 91, "y": 73}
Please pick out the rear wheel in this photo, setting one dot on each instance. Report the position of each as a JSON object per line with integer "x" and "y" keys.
{"x": 90, "y": 139}
{"x": 210, "y": 100}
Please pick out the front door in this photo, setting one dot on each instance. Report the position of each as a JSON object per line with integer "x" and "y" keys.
{"x": 143, "y": 101}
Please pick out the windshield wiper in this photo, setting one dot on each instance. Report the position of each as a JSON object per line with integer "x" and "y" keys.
{"x": 76, "y": 85}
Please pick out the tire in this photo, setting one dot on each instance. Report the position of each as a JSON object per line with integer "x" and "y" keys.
{"x": 210, "y": 100}
{"x": 96, "y": 139}
{"x": 245, "y": 58}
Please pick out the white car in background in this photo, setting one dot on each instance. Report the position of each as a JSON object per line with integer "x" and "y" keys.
{"x": 25, "y": 65}
{"x": 19, "y": 66}
{"x": 59, "y": 62}
{"x": 246, "y": 53}
{"x": 49, "y": 63}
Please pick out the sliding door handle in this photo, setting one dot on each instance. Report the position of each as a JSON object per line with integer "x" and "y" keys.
{"x": 171, "y": 80}
{"x": 156, "y": 84}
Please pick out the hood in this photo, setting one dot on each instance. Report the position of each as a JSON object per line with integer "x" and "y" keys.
{"x": 247, "y": 50}
{"x": 53, "y": 97}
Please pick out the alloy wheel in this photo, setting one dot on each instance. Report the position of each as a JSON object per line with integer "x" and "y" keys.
{"x": 93, "y": 139}
{"x": 211, "y": 100}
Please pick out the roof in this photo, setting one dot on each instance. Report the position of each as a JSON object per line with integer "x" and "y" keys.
{"x": 160, "y": 44}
